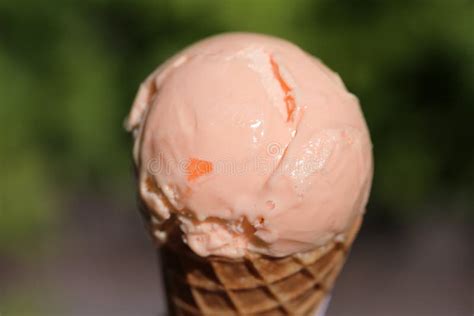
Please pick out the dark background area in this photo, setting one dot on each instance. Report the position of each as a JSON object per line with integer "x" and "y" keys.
{"x": 71, "y": 241}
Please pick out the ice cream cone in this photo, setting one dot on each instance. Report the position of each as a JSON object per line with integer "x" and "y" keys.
{"x": 253, "y": 163}
{"x": 253, "y": 285}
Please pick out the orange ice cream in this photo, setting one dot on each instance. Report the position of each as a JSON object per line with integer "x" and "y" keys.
{"x": 252, "y": 145}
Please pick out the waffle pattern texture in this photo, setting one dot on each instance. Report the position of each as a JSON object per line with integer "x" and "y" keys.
{"x": 254, "y": 285}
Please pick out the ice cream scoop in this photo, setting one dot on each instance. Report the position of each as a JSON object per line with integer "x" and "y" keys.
{"x": 250, "y": 145}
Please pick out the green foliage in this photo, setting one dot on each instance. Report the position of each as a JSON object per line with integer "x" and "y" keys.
{"x": 69, "y": 72}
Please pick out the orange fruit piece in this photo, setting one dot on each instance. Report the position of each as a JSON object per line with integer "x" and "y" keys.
{"x": 197, "y": 168}
{"x": 289, "y": 99}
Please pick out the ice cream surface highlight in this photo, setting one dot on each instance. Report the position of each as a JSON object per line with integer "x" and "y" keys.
{"x": 251, "y": 145}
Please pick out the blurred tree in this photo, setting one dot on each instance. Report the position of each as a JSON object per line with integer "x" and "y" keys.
{"x": 70, "y": 71}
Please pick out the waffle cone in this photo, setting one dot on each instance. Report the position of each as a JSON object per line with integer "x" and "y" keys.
{"x": 254, "y": 285}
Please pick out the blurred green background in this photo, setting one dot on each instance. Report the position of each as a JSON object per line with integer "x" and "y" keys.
{"x": 69, "y": 71}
